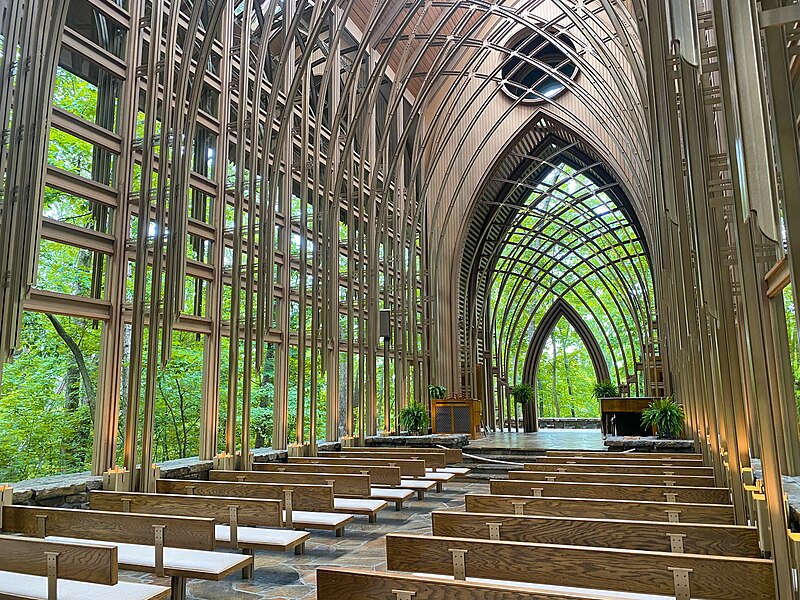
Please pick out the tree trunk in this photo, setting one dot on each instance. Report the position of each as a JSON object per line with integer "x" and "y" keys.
{"x": 88, "y": 386}
{"x": 72, "y": 392}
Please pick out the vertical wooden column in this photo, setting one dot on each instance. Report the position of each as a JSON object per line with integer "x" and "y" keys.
{"x": 109, "y": 384}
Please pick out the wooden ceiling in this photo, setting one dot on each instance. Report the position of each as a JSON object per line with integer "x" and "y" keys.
{"x": 415, "y": 37}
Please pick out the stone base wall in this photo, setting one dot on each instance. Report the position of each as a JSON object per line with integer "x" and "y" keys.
{"x": 569, "y": 423}
{"x": 617, "y": 443}
{"x": 452, "y": 440}
{"x": 72, "y": 491}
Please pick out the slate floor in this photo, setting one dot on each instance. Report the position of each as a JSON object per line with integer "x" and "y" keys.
{"x": 284, "y": 576}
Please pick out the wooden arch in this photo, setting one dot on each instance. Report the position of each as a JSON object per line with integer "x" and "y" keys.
{"x": 559, "y": 309}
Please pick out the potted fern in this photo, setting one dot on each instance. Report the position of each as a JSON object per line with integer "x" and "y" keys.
{"x": 414, "y": 418}
{"x": 437, "y": 392}
{"x": 524, "y": 394}
{"x": 666, "y": 416}
{"x": 605, "y": 389}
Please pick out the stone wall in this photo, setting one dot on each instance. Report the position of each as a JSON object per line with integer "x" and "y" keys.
{"x": 569, "y": 423}
{"x": 72, "y": 491}
{"x": 448, "y": 440}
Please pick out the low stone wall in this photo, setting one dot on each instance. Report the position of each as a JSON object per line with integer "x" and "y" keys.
{"x": 72, "y": 491}
{"x": 618, "y": 443}
{"x": 569, "y": 423}
{"x": 451, "y": 440}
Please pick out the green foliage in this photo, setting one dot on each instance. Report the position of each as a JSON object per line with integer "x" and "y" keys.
{"x": 574, "y": 376}
{"x": 437, "y": 392}
{"x": 666, "y": 415}
{"x": 523, "y": 393}
{"x": 178, "y": 393}
{"x": 605, "y": 389}
{"x": 414, "y": 417}
{"x": 46, "y": 406}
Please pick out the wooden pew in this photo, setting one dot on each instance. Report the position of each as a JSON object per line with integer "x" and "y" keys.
{"x": 175, "y": 547}
{"x": 385, "y": 481}
{"x": 354, "y": 584}
{"x": 679, "y": 480}
{"x": 622, "y": 491}
{"x": 305, "y": 506}
{"x": 721, "y": 514}
{"x": 634, "y": 571}
{"x": 408, "y": 467}
{"x": 412, "y": 472}
{"x": 354, "y": 489}
{"x": 433, "y": 460}
{"x": 346, "y": 485}
{"x": 34, "y": 569}
{"x": 593, "y": 454}
{"x": 631, "y": 469}
{"x": 378, "y": 475}
{"x": 452, "y": 455}
{"x": 622, "y": 462}
{"x": 433, "y": 463}
{"x": 719, "y": 540}
{"x": 241, "y": 522}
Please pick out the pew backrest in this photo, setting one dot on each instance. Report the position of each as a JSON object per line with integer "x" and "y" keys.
{"x": 721, "y": 514}
{"x": 452, "y": 455}
{"x": 345, "y": 485}
{"x": 691, "y": 538}
{"x": 89, "y": 562}
{"x": 408, "y": 468}
{"x": 621, "y": 491}
{"x": 679, "y": 480}
{"x": 657, "y": 455}
{"x": 433, "y": 460}
{"x": 630, "y": 469}
{"x": 354, "y": 584}
{"x": 379, "y": 475}
{"x": 634, "y": 571}
{"x": 244, "y": 511}
{"x": 603, "y": 460}
{"x": 177, "y": 532}
{"x": 314, "y": 498}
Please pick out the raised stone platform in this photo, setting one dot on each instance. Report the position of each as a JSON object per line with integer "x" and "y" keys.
{"x": 617, "y": 443}
{"x": 454, "y": 440}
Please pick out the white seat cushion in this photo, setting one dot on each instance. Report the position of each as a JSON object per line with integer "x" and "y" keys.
{"x": 322, "y": 519}
{"x": 455, "y": 470}
{"x": 263, "y": 537}
{"x": 439, "y": 475}
{"x": 212, "y": 565}
{"x": 417, "y": 484}
{"x": 20, "y": 585}
{"x": 393, "y": 494}
{"x": 359, "y": 505}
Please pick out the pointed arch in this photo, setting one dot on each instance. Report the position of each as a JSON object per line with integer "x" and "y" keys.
{"x": 559, "y": 309}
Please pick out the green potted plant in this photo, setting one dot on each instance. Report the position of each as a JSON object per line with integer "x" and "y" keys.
{"x": 666, "y": 416}
{"x": 524, "y": 393}
{"x": 605, "y": 389}
{"x": 437, "y": 392}
{"x": 414, "y": 418}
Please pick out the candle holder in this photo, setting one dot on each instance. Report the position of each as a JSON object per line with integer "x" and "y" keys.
{"x": 348, "y": 441}
{"x": 6, "y": 496}
{"x": 298, "y": 450}
{"x": 156, "y": 472}
{"x": 117, "y": 479}
{"x": 224, "y": 462}
{"x": 245, "y": 463}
